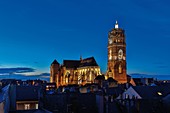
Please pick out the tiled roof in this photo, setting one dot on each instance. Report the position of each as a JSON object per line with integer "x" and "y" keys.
{"x": 114, "y": 91}
{"x": 100, "y": 77}
{"x": 110, "y": 79}
{"x": 71, "y": 63}
{"x": 88, "y": 62}
{"x": 80, "y": 63}
{"x": 3, "y": 93}
{"x": 152, "y": 92}
{"x": 166, "y": 100}
{"x": 27, "y": 93}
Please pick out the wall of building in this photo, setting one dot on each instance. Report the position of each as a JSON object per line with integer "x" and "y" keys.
{"x": 72, "y": 102}
{"x": 81, "y": 75}
{"x": 26, "y": 105}
{"x": 4, "y": 100}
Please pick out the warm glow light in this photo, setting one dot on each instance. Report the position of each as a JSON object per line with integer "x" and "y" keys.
{"x": 27, "y": 106}
{"x": 159, "y": 93}
{"x": 120, "y": 69}
{"x": 116, "y": 25}
{"x": 110, "y": 57}
{"x": 36, "y": 106}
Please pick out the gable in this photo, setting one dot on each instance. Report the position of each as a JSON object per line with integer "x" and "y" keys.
{"x": 130, "y": 93}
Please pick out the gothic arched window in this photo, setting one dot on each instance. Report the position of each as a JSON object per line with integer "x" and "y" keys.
{"x": 67, "y": 77}
{"x": 120, "y": 68}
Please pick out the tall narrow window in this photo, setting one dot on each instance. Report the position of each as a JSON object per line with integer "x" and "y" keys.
{"x": 27, "y": 106}
{"x": 120, "y": 68}
{"x": 110, "y": 55}
{"x": 36, "y": 106}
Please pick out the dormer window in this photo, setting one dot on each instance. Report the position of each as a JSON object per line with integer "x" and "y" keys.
{"x": 159, "y": 93}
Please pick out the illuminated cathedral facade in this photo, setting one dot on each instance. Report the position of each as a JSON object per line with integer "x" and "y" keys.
{"x": 86, "y": 70}
{"x": 74, "y": 71}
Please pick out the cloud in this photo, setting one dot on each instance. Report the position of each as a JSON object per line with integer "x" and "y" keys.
{"x": 22, "y": 76}
{"x": 22, "y": 73}
{"x": 43, "y": 76}
{"x": 16, "y": 70}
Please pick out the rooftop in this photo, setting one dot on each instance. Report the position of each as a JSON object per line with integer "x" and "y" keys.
{"x": 80, "y": 63}
{"x": 148, "y": 92}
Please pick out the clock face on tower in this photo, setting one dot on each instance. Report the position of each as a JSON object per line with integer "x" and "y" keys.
{"x": 120, "y": 54}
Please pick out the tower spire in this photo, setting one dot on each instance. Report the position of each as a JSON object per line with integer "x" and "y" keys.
{"x": 81, "y": 58}
{"x": 116, "y": 25}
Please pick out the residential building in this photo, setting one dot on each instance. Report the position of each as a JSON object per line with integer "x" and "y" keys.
{"x": 24, "y": 97}
{"x": 145, "y": 99}
{"x": 4, "y": 99}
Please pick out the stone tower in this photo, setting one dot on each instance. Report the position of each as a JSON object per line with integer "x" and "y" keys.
{"x": 54, "y": 72}
{"x": 116, "y": 66}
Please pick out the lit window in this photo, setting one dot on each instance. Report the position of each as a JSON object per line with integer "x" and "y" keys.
{"x": 36, "y": 106}
{"x": 159, "y": 93}
{"x": 120, "y": 69}
{"x": 110, "y": 51}
{"x": 27, "y": 106}
{"x": 110, "y": 54}
{"x": 66, "y": 79}
{"x": 110, "y": 57}
{"x": 115, "y": 57}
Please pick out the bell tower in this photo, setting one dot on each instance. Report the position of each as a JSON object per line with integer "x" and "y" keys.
{"x": 116, "y": 66}
{"x": 54, "y": 72}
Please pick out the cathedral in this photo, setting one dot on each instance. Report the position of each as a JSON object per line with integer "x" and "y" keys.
{"x": 74, "y": 71}
{"x": 116, "y": 65}
{"x": 86, "y": 70}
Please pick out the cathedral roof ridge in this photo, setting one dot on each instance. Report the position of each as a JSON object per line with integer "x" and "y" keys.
{"x": 88, "y": 58}
{"x": 71, "y": 63}
{"x": 71, "y": 60}
{"x": 90, "y": 61}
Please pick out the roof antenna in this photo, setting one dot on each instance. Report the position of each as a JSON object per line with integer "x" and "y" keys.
{"x": 81, "y": 58}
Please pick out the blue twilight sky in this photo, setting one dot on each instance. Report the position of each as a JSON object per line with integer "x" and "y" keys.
{"x": 35, "y": 32}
